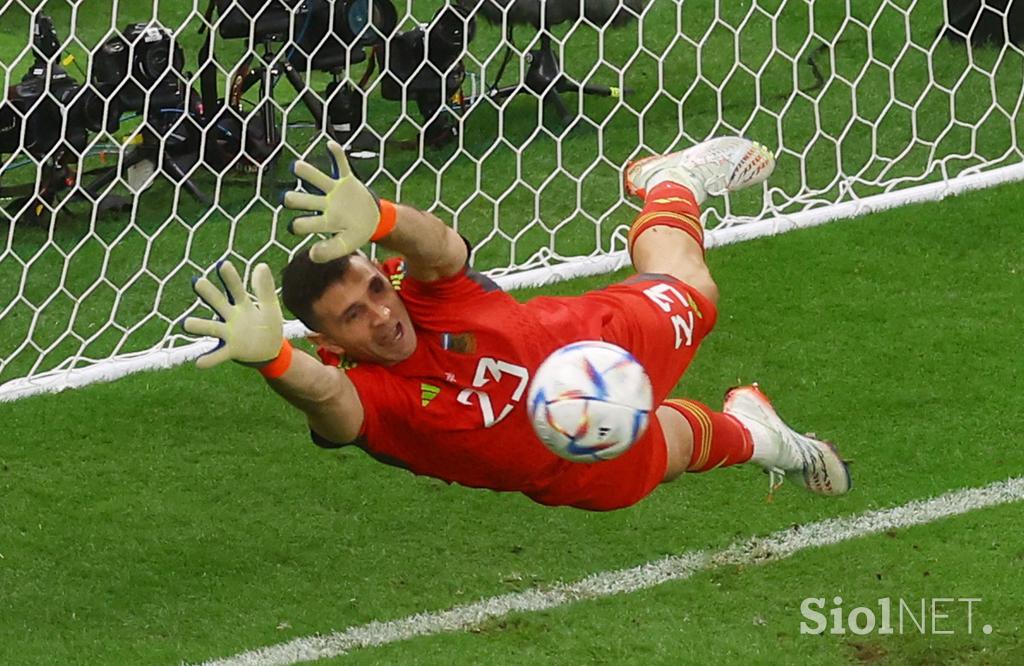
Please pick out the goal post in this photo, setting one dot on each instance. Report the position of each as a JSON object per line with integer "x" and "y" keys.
{"x": 141, "y": 144}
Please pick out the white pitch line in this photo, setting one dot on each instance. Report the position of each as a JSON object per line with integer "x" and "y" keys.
{"x": 756, "y": 550}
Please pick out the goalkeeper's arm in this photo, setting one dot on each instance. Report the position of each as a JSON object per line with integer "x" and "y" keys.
{"x": 326, "y": 396}
{"x": 252, "y": 333}
{"x": 432, "y": 249}
{"x": 354, "y": 215}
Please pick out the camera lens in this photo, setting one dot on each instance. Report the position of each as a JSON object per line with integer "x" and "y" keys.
{"x": 448, "y": 35}
{"x": 364, "y": 26}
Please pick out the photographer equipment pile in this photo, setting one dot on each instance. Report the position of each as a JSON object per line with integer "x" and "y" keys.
{"x": 50, "y": 115}
{"x": 545, "y": 77}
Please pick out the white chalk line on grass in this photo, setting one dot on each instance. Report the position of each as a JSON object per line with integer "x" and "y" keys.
{"x": 756, "y": 550}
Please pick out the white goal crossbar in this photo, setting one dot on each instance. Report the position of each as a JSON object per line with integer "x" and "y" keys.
{"x": 116, "y": 368}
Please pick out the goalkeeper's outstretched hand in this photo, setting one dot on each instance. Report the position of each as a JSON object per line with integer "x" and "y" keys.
{"x": 250, "y": 333}
{"x": 347, "y": 208}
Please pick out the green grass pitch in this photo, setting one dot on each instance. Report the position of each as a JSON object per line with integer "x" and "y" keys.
{"x": 184, "y": 515}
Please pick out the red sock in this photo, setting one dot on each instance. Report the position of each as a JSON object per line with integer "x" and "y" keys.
{"x": 668, "y": 205}
{"x": 719, "y": 440}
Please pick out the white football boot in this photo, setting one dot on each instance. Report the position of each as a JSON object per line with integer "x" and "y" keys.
{"x": 711, "y": 167}
{"x": 783, "y": 452}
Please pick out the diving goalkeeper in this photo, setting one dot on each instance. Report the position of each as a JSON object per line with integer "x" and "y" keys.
{"x": 424, "y": 363}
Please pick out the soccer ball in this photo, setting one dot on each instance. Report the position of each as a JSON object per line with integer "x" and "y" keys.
{"x": 590, "y": 401}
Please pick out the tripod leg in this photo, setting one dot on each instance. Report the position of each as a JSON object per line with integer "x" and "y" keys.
{"x": 266, "y": 108}
{"x": 566, "y": 84}
{"x": 554, "y": 99}
{"x": 178, "y": 172}
{"x": 503, "y": 93}
{"x": 310, "y": 99}
{"x": 605, "y": 91}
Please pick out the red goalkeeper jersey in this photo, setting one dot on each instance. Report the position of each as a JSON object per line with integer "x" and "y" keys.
{"x": 455, "y": 409}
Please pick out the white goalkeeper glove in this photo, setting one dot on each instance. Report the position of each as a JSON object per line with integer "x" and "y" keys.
{"x": 348, "y": 209}
{"x": 250, "y": 333}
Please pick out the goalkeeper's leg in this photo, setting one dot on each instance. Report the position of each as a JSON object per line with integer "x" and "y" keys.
{"x": 667, "y": 237}
{"x": 699, "y": 439}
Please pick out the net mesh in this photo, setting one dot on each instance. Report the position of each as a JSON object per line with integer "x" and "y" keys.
{"x": 135, "y": 153}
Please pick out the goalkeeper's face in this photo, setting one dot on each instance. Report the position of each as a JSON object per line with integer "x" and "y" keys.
{"x": 362, "y": 316}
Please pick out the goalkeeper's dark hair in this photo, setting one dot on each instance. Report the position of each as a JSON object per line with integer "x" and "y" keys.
{"x": 303, "y": 282}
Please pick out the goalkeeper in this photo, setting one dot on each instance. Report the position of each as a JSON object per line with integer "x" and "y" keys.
{"x": 424, "y": 363}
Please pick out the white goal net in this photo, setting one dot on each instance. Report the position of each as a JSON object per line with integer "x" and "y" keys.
{"x": 142, "y": 142}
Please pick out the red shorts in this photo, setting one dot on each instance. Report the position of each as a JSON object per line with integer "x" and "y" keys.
{"x": 661, "y": 321}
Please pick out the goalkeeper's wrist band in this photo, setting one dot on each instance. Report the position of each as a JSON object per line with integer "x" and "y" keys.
{"x": 388, "y": 217}
{"x": 280, "y": 364}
